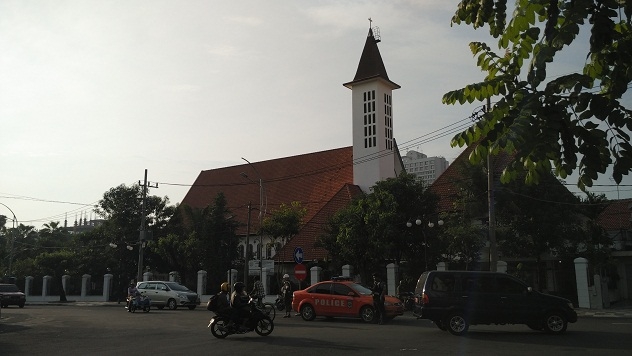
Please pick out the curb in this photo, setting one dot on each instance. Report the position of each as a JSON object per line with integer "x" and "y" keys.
{"x": 607, "y": 313}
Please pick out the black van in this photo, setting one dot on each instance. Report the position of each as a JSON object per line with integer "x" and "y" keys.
{"x": 454, "y": 300}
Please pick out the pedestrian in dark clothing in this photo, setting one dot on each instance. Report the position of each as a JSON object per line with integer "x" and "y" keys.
{"x": 379, "y": 293}
{"x": 286, "y": 292}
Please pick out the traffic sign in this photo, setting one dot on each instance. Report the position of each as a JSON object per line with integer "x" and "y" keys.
{"x": 300, "y": 272}
{"x": 298, "y": 255}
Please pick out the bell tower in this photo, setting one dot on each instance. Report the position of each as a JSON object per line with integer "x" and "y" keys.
{"x": 374, "y": 149}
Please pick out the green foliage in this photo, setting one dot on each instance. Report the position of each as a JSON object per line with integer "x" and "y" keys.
{"x": 199, "y": 239}
{"x": 284, "y": 222}
{"x": 561, "y": 124}
{"x": 372, "y": 229}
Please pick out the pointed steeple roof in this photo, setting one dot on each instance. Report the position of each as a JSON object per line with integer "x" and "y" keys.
{"x": 371, "y": 65}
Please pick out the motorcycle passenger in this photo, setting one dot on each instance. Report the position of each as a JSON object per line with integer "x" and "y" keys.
{"x": 223, "y": 301}
{"x": 239, "y": 301}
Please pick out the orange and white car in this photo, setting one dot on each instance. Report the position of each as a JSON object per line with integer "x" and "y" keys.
{"x": 342, "y": 298}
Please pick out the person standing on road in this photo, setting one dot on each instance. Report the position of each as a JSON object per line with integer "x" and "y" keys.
{"x": 286, "y": 292}
{"x": 379, "y": 293}
{"x": 258, "y": 292}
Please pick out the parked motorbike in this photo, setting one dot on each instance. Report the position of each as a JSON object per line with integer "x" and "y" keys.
{"x": 408, "y": 300}
{"x": 257, "y": 322}
{"x": 139, "y": 302}
{"x": 279, "y": 304}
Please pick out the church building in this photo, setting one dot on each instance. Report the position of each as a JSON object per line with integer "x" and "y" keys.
{"x": 323, "y": 182}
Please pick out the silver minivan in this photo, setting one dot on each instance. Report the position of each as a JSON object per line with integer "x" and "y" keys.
{"x": 168, "y": 294}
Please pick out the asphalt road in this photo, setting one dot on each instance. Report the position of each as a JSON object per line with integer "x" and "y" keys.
{"x": 100, "y": 330}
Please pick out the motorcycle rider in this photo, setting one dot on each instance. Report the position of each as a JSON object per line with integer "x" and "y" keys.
{"x": 132, "y": 293}
{"x": 239, "y": 301}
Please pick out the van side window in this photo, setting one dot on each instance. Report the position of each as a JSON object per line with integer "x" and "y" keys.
{"x": 443, "y": 283}
{"x": 481, "y": 284}
{"x": 509, "y": 286}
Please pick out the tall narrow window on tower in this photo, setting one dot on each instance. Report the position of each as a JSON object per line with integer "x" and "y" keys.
{"x": 388, "y": 122}
{"x": 369, "y": 119}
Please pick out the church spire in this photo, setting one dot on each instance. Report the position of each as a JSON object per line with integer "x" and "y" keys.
{"x": 371, "y": 65}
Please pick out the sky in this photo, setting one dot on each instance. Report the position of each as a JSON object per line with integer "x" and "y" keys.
{"x": 94, "y": 92}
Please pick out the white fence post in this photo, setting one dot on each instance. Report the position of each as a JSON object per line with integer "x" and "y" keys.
{"x": 85, "y": 284}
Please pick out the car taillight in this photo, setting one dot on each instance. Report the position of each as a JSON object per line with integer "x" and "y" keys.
{"x": 424, "y": 298}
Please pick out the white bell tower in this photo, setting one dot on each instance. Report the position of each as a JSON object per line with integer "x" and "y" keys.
{"x": 374, "y": 149}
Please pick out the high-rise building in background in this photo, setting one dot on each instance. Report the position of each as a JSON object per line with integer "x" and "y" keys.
{"x": 427, "y": 169}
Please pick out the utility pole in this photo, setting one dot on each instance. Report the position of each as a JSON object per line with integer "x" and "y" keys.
{"x": 493, "y": 249}
{"x": 142, "y": 238}
{"x": 13, "y": 231}
{"x": 246, "y": 247}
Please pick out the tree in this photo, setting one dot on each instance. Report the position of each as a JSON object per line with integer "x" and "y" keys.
{"x": 121, "y": 207}
{"x": 284, "y": 223}
{"x": 58, "y": 263}
{"x": 551, "y": 124}
{"x": 372, "y": 229}
{"x": 200, "y": 239}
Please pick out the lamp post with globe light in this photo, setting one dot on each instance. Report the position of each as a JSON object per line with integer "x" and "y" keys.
{"x": 430, "y": 225}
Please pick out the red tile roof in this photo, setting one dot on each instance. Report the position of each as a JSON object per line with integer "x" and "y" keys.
{"x": 616, "y": 216}
{"x": 321, "y": 181}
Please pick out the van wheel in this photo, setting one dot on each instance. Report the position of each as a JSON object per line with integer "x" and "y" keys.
{"x": 456, "y": 323}
{"x": 307, "y": 312}
{"x": 171, "y": 304}
{"x": 555, "y": 323}
{"x": 439, "y": 324}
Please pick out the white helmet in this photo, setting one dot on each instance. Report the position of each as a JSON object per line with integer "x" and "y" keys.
{"x": 286, "y": 276}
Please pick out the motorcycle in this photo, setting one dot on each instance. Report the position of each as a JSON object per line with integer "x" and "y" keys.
{"x": 279, "y": 304}
{"x": 139, "y": 302}
{"x": 408, "y": 300}
{"x": 257, "y": 322}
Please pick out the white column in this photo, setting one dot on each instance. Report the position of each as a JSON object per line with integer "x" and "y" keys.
{"x": 347, "y": 271}
{"x": 264, "y": 279}
{"x": 45, "y": 285}
{"x": 315, "y": 274}
{"x": 231, "y": 277}
{"x": 107, "y": 286}
{"x": 201, "y": 282}
{"x": 392, "y": 271}
{"x": 85, "y": 283}
{"x": 64, "y": 282}
{"x": 581, "y": 278}
{"x": 442, "y": 266}
{"x": 501, "y": 266}
{"x": 28, "y": 285}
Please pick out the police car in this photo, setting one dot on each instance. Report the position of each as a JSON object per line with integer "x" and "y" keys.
{"x": 341, "y": 297}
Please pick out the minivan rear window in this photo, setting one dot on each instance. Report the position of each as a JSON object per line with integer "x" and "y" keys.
{"x": 443, "y": 283}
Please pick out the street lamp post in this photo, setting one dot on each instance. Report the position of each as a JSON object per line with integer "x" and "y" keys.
{"x": 15, "y": 220}
{"x": 261, "y": 212}
{"x": 430, "y": 225}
